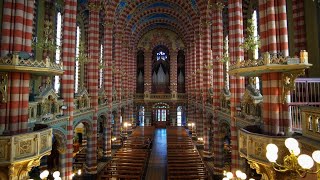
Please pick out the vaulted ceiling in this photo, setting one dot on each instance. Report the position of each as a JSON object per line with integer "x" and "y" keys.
{"x": 134, "y": 18}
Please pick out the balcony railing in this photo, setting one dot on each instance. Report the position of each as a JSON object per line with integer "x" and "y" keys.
{"x": 306, "y": 93}
{"x": 252, "y": 146}
{"x": 161, "y": 96}
{"x": 22, "y": 147}
{"x": 311, "y": 123}
{"x": 18, "y": 64}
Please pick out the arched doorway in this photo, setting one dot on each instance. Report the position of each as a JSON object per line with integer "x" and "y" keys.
{"x": 160, "y": 115}
{"x": 82, "y": 135}
{"x": 225, "y": 135}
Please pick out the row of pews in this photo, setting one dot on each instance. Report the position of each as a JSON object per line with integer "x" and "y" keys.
{"x": 184, "y": 161}
{"x": 131, "y": 161}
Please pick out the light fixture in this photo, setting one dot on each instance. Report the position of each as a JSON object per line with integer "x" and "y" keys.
{"x": 239, "y": 175}
{"x": 44, "y": 174}
{"x": 79, "y": 172}
{"x": 295, "y": 163}
{"x": 56, "y": 174}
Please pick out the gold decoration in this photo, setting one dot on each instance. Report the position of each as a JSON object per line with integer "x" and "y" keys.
{"x": 266, "y": 172}
{"x": 219, "y": 6}
{"x": 108, "y": 24}
{"x": 288, "y": 82}
{"x": 3, "y": 87}
{"x": 25, "y": 147}
{"x": 43, "y": 142}
{"x": 94, "y": 6}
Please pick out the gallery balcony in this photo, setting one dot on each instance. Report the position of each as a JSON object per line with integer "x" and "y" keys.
{"x": 22, "y": 62}
{"x": 20, "y": 152}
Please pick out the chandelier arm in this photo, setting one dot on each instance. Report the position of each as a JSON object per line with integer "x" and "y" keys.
{"x": 302, "y": 172}
{"x": 314, "y": 172}
{"x": 279, "y": 167}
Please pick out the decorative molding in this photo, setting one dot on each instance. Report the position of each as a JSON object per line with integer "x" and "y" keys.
{"x": 288, "y": 82}
{"x": 3, "y": 87}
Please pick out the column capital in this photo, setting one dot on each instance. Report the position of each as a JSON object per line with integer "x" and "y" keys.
{"x": 94, "y": 6}
{"x": 218, "y": 6}
{"x": 108, "y": 24}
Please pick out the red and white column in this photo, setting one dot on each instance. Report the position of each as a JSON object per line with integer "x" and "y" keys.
{"x": 67, "y": 81}
{"x": 16, "y": 36}
{"x": 236, "y": 83}
{"x": 217, "y": 52}
{"x": 108, "y": 83}
{"x": 117, "y": 62}
{"x": 274, "y": 39}
{"x": 207, "y": 80}
{"x": 93, "y": 83}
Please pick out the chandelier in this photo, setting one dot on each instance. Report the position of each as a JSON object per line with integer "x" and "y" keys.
{"x": 296, "y": 163}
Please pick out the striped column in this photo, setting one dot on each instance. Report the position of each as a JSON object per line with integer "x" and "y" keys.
{"x": 283, "y": 47}
{"x": 299, "y": 26}
{"x": 217, "y": 51}
{"x": 207, "y": 80}
{"x": 16, "y": 36}
{"x": 17, "y": 27}
{"x": 199, "y": 85}
{"x": 273, "y": 27}
{"x": 108, "y": 82}
{"x": 236, "y": 83}
{"x": 282, "y": 27}
{"x": 188, "y": 84}
{"x": 117, "y": 57}
{"x": 67, "y": 81}
{"x": 267, "y": 22}
{"x": 93, "y": 83}
{"x": 132, "y": 80}
{"x": 194, "y": 67}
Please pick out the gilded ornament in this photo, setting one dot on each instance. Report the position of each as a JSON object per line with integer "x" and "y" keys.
{"x": 25, "y": 147}
{"x": 3, "y": 87}
{"x": 288, "y": 81}
{"x": 94, "y": 6}
{"x": 219, "y": 6}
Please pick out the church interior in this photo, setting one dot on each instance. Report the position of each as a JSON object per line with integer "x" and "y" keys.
{"x": 159, "y": 89}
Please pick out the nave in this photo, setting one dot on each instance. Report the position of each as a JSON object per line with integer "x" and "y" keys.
{"x": 170, "y": 154}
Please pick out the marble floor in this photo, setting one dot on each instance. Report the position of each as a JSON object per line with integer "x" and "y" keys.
{"x": 157, "y": 166}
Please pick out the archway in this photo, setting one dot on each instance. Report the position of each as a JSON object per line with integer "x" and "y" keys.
{"x": 160, "y": 115}
{"x": 225, "y": 144}
{"x": 101, "y": 134}
{"x": 82, "y": 144}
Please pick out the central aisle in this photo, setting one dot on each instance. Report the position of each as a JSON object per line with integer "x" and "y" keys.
{"x": 157, "y": 167}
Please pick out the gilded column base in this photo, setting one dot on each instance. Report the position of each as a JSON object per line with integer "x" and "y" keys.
{"x": 19, "y": 170}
